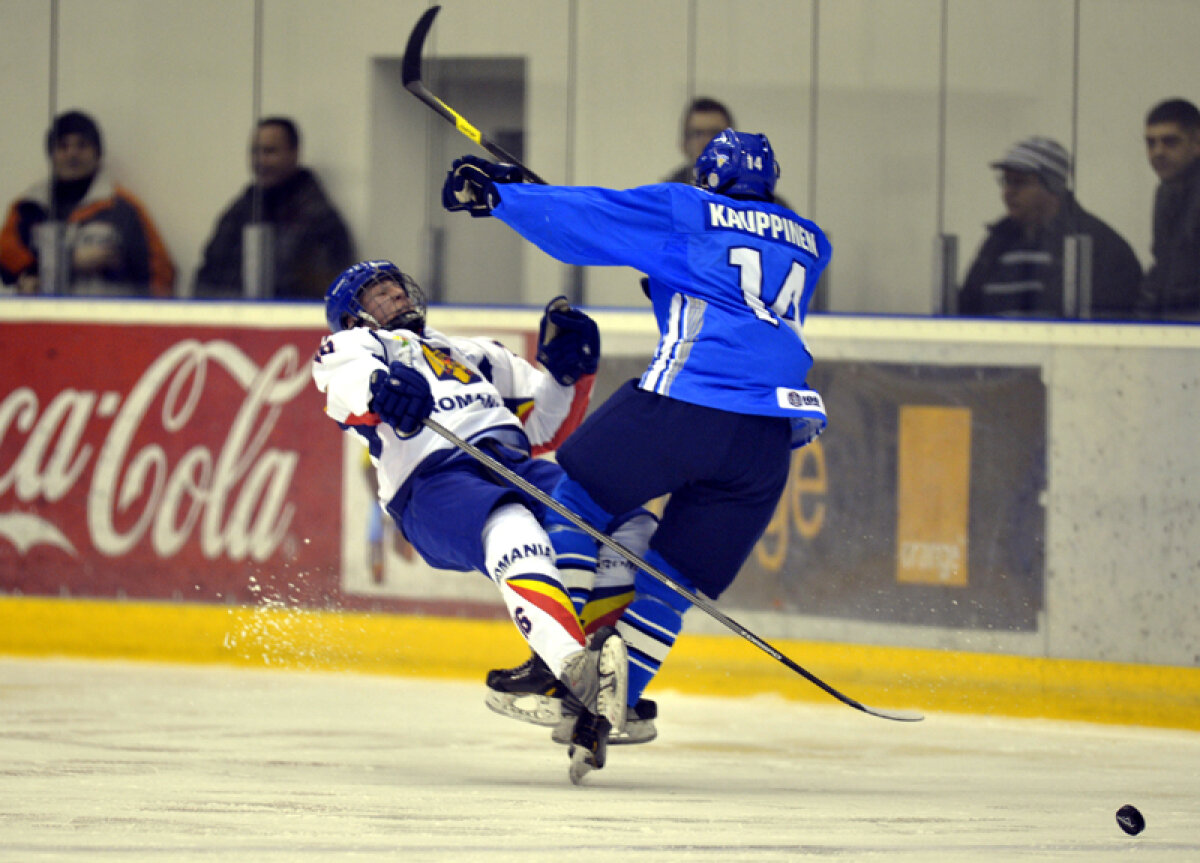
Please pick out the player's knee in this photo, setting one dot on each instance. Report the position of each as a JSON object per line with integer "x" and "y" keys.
{"x": 514, "y": 541}
{"x": 632, "y": 532}
{"x": 571, "y": 494}
{"x": 634, "y": 529}
{"x": 573, "y": 548}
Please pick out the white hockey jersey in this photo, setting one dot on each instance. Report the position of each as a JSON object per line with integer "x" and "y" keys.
{"x": 480, "y": 390}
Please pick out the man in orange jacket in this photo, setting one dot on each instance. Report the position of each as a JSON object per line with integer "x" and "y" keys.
{"x": 78, "y": 232}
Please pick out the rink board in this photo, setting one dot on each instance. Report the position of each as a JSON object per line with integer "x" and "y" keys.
{"x": 208, "y": 573}
{"x": 294, "y": 638}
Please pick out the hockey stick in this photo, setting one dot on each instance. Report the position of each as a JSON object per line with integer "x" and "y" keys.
{"x": 411, "y": 75}
{"x": 696, "y": 600}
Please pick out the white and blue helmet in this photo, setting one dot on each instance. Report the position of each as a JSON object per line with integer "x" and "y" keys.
{"x": 738, "y": 163}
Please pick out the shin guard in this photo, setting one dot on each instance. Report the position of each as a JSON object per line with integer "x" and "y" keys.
{"x": 614, "y": 586}
{"x": 521, "y": 563}
{"x": 651, "y": 624}
{"x": 575, "y": 551}
{"x": 575, "y": 558}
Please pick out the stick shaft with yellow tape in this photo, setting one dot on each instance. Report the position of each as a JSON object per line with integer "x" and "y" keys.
{"x": 411, "y": 75}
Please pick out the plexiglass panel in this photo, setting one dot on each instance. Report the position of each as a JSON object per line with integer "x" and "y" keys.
{"x": 887, "y": 118}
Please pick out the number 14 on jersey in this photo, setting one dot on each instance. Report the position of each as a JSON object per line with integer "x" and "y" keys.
{"x": 786, "y": 304}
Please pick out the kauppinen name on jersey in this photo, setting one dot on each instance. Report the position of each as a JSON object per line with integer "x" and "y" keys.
{"x": 761, "y": 224}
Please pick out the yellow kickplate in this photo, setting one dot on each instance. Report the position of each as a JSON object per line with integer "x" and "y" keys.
{"x": 888, "y": 677}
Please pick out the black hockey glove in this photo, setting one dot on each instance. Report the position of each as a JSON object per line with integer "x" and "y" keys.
{"x": 471, "y": 185}
{"x": 568, "y": 342}
{"x": 401, "y": 397}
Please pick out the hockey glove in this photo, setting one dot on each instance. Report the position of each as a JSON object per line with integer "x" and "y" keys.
{"x": 568, "y": 342}
{"x": 471, "y": 185}
{"x": 401, "y": 398}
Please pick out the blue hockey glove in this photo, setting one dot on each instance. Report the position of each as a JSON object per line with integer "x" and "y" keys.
{"x": 471, "y": 185}
{"x": 568, "y": 342}
{"x": 401, "y": 397}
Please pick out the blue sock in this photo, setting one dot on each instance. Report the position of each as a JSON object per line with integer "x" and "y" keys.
{"x": 575, "y": 558}
{"x": 574, "y": 550}
{"x": 651, "y": 624}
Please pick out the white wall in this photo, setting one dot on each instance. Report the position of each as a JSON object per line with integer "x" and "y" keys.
{"x": 173, "y": 86}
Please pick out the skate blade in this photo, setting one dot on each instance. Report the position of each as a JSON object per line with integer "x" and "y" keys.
{"x": 583, "y": 762}
{"x": 614, "y": 672}
{"x": 526, "y": 707}
{"x": 636, "y": 731}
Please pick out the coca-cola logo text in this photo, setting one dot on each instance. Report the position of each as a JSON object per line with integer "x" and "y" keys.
{"x": 235, "y": 500}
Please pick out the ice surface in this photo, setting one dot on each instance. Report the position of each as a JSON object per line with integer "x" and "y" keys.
{"x": 106, "y": 761}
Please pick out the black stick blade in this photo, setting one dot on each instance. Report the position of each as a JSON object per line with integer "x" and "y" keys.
{"x": 894, "y": 715}
{"x": 416, "y": 43}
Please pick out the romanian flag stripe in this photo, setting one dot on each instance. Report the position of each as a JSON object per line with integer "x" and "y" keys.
{"x": 550, "y": 599}
{"x": 605, "y": 611}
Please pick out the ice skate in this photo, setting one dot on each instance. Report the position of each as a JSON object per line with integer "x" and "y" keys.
{"x": 599, "y": 677}
{"x": 639, "y": 724}
{"x": 530, "y": 693}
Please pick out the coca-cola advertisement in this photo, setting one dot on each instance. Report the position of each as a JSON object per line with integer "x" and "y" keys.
{"x": 166, "y": 462}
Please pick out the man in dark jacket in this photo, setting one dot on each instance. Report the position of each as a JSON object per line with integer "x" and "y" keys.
{"x": 1171, "y": 289}
{"x": 1018, "y": 271}
{"x": 284, "y": 212}
{"x": 703, "y": 120}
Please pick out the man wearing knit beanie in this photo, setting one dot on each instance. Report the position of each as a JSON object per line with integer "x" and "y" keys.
{"x": 74, "y": 123}
{"x": 1018, "y": 271}
{"x": 78, "y": 232}
{"x": 1045, "y": 158}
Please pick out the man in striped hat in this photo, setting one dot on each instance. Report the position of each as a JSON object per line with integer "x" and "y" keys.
{"x": 1018, "y": 271}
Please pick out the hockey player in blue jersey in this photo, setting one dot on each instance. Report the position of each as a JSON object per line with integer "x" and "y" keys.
{"x": 383, "y": 370}
{"x": 724, "y": 400}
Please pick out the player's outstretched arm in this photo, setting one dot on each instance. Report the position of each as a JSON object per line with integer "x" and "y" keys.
{"x": 471, "y": 185}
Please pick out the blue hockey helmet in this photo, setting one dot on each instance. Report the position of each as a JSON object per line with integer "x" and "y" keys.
{"x": 738, "y": 163}
{"x": 343, "y": 301}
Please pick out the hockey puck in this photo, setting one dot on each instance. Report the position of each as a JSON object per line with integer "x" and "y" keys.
{"x": 1131, "y": 820}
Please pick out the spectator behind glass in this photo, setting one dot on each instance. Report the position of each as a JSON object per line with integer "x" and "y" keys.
{"x": 1171, "y": 289}
{"x": 289, "y": 214}
{"x": 1018, "y": 271}
{"x": 78, "y": 232}
{"x": 703, "y": 120}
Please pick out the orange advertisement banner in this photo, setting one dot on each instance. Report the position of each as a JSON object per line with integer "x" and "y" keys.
{"x": 933, "y": 486}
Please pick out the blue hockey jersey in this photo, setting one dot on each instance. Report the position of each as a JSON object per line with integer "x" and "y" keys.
{"x": 730, "y": 281}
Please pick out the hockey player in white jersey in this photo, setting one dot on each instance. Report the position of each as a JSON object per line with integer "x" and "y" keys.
{"x": 383, "y": 371}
